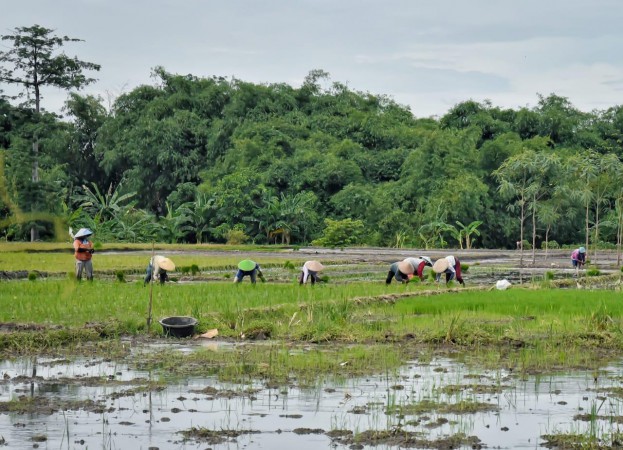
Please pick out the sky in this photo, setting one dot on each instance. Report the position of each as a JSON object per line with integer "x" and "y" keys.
{"x": 427, "y": 55}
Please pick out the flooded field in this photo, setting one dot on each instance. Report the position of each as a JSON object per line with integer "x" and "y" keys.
{"x": 428, "y": 403}
{"x": 349, "y": 363}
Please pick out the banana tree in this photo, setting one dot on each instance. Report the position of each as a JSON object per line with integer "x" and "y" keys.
{"x": 466, "y": 232}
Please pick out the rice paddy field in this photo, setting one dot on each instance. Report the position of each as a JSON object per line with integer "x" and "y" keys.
{"x": 423, "y": 365}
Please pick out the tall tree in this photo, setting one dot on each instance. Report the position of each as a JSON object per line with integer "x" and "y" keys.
{"x": 34, "y": 61}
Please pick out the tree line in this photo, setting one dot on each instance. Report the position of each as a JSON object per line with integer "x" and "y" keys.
{"x": 210, "y": 159}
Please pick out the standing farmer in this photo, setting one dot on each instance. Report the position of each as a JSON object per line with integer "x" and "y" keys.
{"x": 310, "y": 272}
{"x": 578, "y": 259}
{"x": 248, "y": 267}
{"x": 451, "y": 266}
{"x": 83, "y": 252}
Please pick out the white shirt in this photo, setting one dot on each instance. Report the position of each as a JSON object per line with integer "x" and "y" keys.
{"x": 305, "y": 272}
{"x": 452, "y": 263}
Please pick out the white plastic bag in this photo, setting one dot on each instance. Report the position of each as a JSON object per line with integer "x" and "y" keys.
{"x": 502, "y": 285}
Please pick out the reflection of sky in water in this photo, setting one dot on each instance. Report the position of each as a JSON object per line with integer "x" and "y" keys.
{"x": 528, "y": 408}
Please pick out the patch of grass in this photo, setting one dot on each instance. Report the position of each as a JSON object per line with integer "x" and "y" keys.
{"x": 548, "y": 275}
{"x": 593, "y": 272}
{"x": 278, "y": 363}
{"x": 428, "y": 406}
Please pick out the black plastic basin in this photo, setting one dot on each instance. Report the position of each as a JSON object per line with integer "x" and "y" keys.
{"x": 178, "y": 326}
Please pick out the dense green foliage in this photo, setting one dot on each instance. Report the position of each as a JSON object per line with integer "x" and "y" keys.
{"x": 214, "y": 160}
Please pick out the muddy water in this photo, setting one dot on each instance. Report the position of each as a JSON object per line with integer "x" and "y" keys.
{"x": 103, "y": 404}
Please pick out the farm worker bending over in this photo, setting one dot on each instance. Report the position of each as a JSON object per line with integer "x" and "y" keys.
{"x": 310, "y": 272}
{"x": 157, "y": 269}
{"x": 578, "y": 258}
{"x": 419, "y": 264}
{"x": 400, "y": 271}
{"x": 83, "y": 251}
{"x": 251, "y": 268}
{"x": 451, "y": 266}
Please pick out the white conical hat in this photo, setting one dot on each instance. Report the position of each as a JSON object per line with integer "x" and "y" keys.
{"x": 441, "y": 265}
{"x": 82, "y": 232}
{"x": 164, "y": 263}
{"x": 314, "y": 265}
{"x": 406, "y": 267}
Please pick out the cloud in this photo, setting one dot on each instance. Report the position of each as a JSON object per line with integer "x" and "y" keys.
{"x": 417, "y": 52}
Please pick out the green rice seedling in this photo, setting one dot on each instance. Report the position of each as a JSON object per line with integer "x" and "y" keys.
{"x": 120, "y": 274}
{"x": 194, "y": 269}
{"x": 32, "y": 276}
{"x": 593, "y": 272}
{"x": 548, "y": 275}
{"x": 288, "y": 265}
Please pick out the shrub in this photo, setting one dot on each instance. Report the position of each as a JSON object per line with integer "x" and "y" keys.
{"x": 552, "y": 245}
{"x": 32, "y": 276}
{"x": 120, "y": 276}
{"x": 236, "y": 237}
{"x": 341, "y": 233}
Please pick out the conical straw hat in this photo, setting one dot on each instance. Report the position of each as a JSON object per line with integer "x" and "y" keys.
{"x": 314, "y": 265}
{"x": 246, "y": 265}
{"x": 405, "y": 267}
{"x": 82, "y": 232}
{"x": 441, "y": 265}
{"x": 164, "y": 263}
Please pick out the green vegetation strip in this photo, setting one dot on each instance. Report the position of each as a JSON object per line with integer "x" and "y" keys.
{"x": 526, "y": 329}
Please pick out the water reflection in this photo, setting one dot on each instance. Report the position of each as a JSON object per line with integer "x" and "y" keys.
{"x": 123, "y": 414}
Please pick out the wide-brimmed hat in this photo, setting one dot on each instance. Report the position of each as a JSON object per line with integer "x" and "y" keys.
{"x": 314, "y": 265}
{"x": 582, "y": 250}
{"x": 246, "y": 265}
{"x": 406, "y": 267}
{"x": 429, "y": 262}
{"x": 83, "y": 232}
{"x": 441, "y": 265}
{"x": 164, "y": 262}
